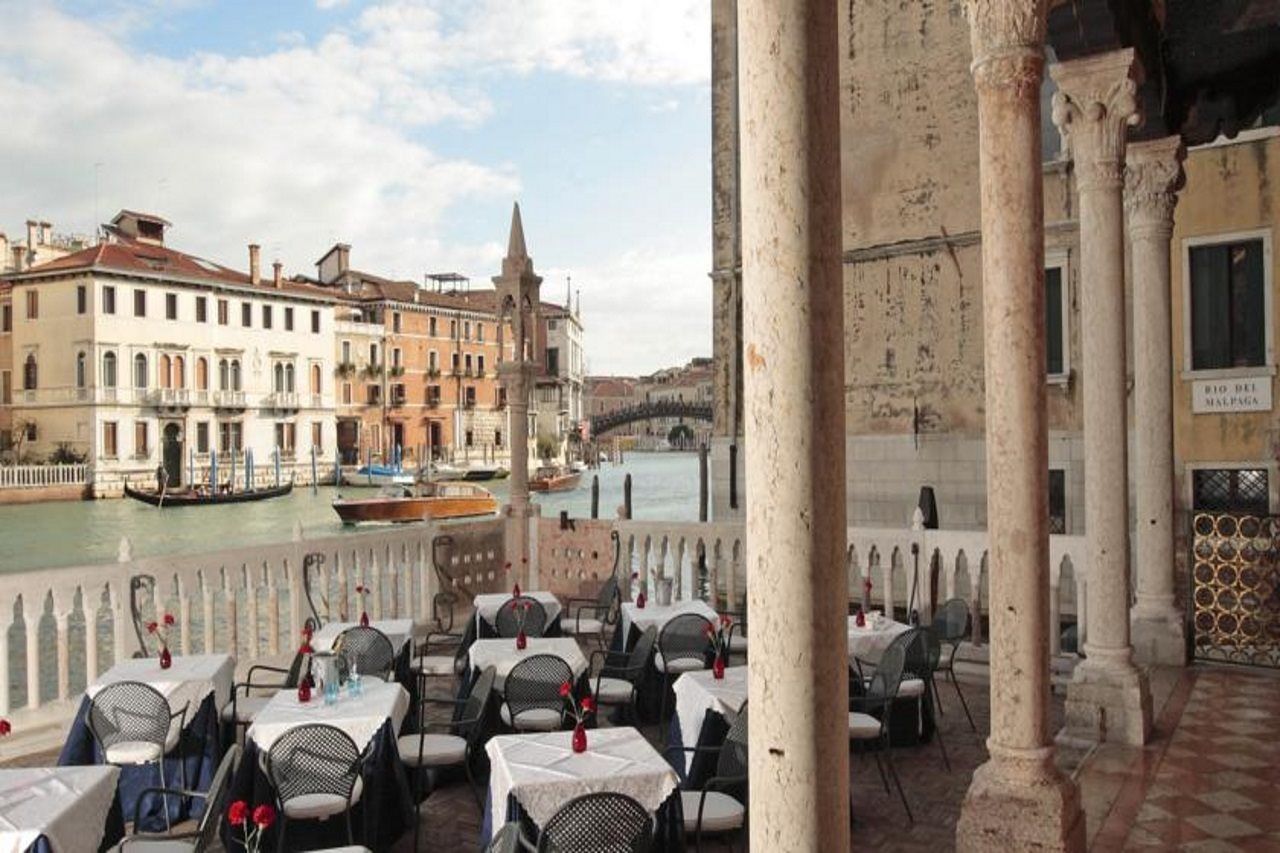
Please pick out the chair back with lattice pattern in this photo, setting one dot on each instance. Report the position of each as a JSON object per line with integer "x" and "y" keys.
{"x": 952, "y": 622}
{"x": 215, "y": 804}
{"x": 604, "y": 822}
{"x": 129, "y": 711}
{"x": 477, "y": 702}
{"x": 638, "y": 658}
{"x": 915, "y": 647}
{"x": 685, "y": 637}
{"x": 732, "y": 761}
{"x": 368, "y": 650}
{"x": 535, "y": 683}
{"x": 883, "y": 685}
{"x": 313, "y": 759}
{"x": 507, "y": 622}
{"x": 607, "y": 600}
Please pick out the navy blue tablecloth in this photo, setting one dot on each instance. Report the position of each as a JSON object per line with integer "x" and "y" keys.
{"x": 384, "y": 813}
{"x": 201, "y": 748}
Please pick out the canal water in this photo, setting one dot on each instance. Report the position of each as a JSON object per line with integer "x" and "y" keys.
{"x": 664, "y": 486}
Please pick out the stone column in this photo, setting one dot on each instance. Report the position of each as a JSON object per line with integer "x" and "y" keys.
{"x": 1094, "y": 106}
{"x": 516, "y": 377}
{"x": 1017, "y": 800}
{"x": 1153, "y": 176}
{"x": 793, "y": 359}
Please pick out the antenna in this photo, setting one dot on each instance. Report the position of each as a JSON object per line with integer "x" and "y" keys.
{"x": 97, "y": 217}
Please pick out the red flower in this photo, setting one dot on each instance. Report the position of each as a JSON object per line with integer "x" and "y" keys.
{"x": 565, "y": 690}
{"x": 709, "y": 631}
{"x": 305, "y": 649}
{"x": 151, "y": 627}
{"x": 168, "y": 619}
{"x": 238, "y": 813}
{"x": 360, "y": 588}
{"x": 726, "y": 621}
{"x": 506, "y": 567}
{"x": 635, "y": 575}
{"x": 5, "y": 727}
{"x": 588, "y": 704}
{"x": 524, "y": 559}
{"x": 528, "y": 605}
{"x": 264, "y": 816}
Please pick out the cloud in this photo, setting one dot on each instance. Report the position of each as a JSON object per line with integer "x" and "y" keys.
{"x": 330, "y": 4}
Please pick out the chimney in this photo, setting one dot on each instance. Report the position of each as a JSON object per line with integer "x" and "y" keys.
{"x": 46, "y": 233}
{"x": 277, "y": 273}
{"x": 19, "y": 255}
{"x": 4, "y": 248}
{"x": 33, "y": 234}
{"x": 344, "y": 259}
{"x": 255, "y": 267}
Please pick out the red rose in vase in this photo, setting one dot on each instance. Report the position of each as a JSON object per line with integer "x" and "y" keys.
{"x": 362, "y": 591}
{"x": 160, "y": 630}
{"x": 579, "y": 710}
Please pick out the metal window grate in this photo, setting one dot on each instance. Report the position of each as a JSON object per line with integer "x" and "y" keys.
{"x": 1236, "y": 490}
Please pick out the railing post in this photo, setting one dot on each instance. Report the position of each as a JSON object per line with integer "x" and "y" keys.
{"x": 62, "y": 621}
{"x": 206, "y": 609}
{"x": 252, "y": 572}
{"x": 233, "y": 629}
{"x": 90, "y": 603}
{"x": 184, "y": 615}
{"x": 31, "y": 613}
{"x": 4, "y": 666}
{"x": 273, "y": 609}
{"x": 121, "y": 620}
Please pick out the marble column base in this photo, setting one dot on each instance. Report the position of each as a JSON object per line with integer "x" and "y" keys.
{"x": 1013, "y": 811}
{"x": 1107, "y": 701}
{"x": 1158, "y": 638}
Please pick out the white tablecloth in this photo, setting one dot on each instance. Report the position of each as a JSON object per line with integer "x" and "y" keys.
{"x": 868, "y": 643}
{"x": 360, "y": 716}
{"x": 188, "y": 681}
{"x": 488, "y": 604}
{"x": 67, "y": 805}
{"x": 502, "y": 654}
{"x": 398, "y": 631}
{"x": 699, "y": 692}
{"x": 656, "y": 616}
{"x": 543, "y": 772}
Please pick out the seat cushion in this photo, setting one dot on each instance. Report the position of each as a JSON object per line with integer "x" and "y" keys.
{"x": 613, "y": 691}
{"x": 318, "y": 806}
{"x": 911, "y": 688}
{"x": 435, "y": 664}
{"x": 677, "y": 665}
{"x": 154, "y": 845}
{"x": 863, "y": 726}
{"x": 246, "y": 708}
{"x": 720, "y": 812}
{"x": 585, "y": 625}
{"x": 437, "y": 750}
{"x": 533, "y": 719}
{"x": 738, "y": 643}
{"x": 133, "y": 752}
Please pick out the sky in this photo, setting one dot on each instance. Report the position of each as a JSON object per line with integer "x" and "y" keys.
{"x": 405, "y": 128}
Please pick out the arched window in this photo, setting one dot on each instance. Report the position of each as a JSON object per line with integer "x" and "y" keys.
{"x": 235, "y": 374}
{"x": 109, "y": 370}
{"x": 288, "y": 378}
{"x": 202, "y": 374}
{"x": 29, "y": 373}
{"x": 279, "y": 379}
{"x": 224, "y": 375}
{"x": 139, "y": 371}
{"x": 315, "y": 379}
{"x": 179, "y": 372}
{"x": 165, "y": 367}
{"x": 80, "y": 370}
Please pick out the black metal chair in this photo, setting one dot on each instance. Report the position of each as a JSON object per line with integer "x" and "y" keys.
{"x": 532, "y": 694}
{"x": 932, "y": 649}
{"x": 204, "y": 836}
{"x": 368, "y": 651}
{"x": 869, "y": 716}
{"x": 598, "y": 823}
{"x": 448, "y": 659}
{"x": 720, "y": 806}
{"x": 507, "y": 622}
{"x": 245, "y": 704}
{"x": 133, "y": 724}
{"x": 684, "y": 645}
{"x": 315, "y": 770}
{"x": 592, "y": 617}
{"x": 460, "y": 743}
{"x": 621, "y": 674}
{"x": 737, "y": 634}
{"x": 952, "y": 627}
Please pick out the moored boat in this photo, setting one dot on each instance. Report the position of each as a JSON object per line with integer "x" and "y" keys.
{"x": 203, "y": 497}
{"x": 554, "y": 479}
{"x": 478, "y": 473}
{"x": 429, "y": 501}
{"x": 378, "y": 475}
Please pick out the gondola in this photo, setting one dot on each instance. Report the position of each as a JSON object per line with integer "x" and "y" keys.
{"x": 188, "y": 497}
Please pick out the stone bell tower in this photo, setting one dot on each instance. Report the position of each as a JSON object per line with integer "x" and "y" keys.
{"x": 519, "y": 297}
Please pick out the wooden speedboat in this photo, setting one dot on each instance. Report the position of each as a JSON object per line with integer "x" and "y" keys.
{"x": 203, "y": 497}
{"x": 429, "y": 501}
{"x": 552, "y": 479}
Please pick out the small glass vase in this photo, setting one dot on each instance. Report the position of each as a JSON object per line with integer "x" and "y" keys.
{"x": 640, "y": 600}
{"x": 521, "y": 641}
{"x": 364, "y": 618}
{"x": 579, "y": 738}
{"x": 861, "y": 619}
{"x": 515, "y": 591}
{"x": 304, "y": 691}
{"x": 166, "y": 659}
{"x": 717, "y": 668}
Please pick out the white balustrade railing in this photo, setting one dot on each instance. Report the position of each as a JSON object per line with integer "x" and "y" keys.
{"x": 62, "y": 627}
{"x": 33, "y": 476}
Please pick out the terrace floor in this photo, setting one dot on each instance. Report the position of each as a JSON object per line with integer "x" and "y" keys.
{"x": 1208, "y": 781}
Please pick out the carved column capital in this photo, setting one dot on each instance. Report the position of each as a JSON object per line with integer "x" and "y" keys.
{"x": 1007, "y": 37}
{"x": 1094, "y": 107}
{"x": 1152, "y": 178}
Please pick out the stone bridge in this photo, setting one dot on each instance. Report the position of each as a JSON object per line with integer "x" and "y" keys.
{"x": 650, "y": 411}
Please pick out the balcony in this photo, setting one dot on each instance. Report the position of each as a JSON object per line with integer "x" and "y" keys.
{"x": 229, "y": 400}
{"x": 281, "y": 401}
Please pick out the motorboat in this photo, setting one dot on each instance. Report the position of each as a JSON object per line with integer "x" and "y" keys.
{"x": 398, "y": 504}
{"x": 554, "y": 479}
{"x": 378, "y": 475}
{"x": 478, "y": 472}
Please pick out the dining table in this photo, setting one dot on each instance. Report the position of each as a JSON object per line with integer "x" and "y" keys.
{"x": 199, "y": 683}
{"x": 59, "y": 809}
{"x": 911, "y": 719}
{"x": 373, "y": 719}
{"x": 532, "y": 776}
{"x": 633, "y": 621}
{"x": 705, "y": 708}
{"x": 488, "y": 604}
